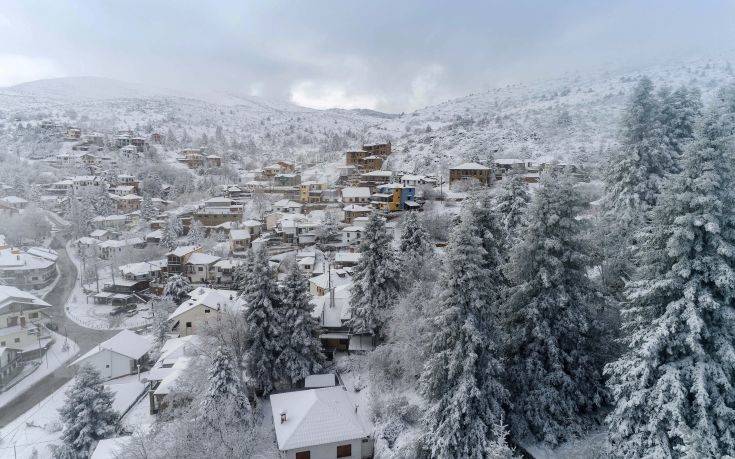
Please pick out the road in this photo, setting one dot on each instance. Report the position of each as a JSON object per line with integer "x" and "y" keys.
{"x": 86, "y": 338}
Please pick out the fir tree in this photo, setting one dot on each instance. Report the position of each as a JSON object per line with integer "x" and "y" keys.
{"x": 177, "y": 288}
{"x": 302, "y": 354}
{"x": 510, "y": 204}
{"x": 103, "y": 203}
{"x": 375, "y": 281}
{"x": 674, "y": 388}
{"x": 147, "y": 210}
{"x": 634, "y": 174}
{"x": 242, "y": 273}
{"x": 196, "y": 233}
{"x": 87, "y": 414}
{"x": 552, "y": 320}
{"x": 679, "y": 113}
{"x": 461, "y": 379}
{"x": 225, "y": 384}
{"x": 415, "y": 242}
{"x": 263, "y": 316}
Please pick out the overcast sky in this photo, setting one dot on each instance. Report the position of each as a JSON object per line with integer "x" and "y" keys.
{"x": 395, "y": 55}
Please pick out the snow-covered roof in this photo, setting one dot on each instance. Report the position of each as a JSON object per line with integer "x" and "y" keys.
{"x": 356, "y": 208}
{"x": 98, "y": 233}
{"x": 316, "y": 381}
{"x": 339, "y": 277}
{"x": 317, "y": 417}
{"x": 17, "y": 259}
{"x": 239, "y": 234}
{"x": 10, "y": 294}
{"x": 347, "y": 257}
{"x": 211, "y": 298}
{"x": 127, "y": 343}
{"x": 353, "y": 229}
{"x": 143, "y": 268}
{"x": 378, "y": 174}
{"x": 198, "y": 258}
{"x": 333, "y": 314}
{"x": 13, "y": 200}
{"x": 183, "y": 250}
{"x": 121, "y": 243}
{"x": 286, "y": 203}
{"x": 471, "y": 166}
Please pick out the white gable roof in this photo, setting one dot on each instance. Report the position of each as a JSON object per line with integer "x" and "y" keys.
{"x": 317, "y": 417}
{"x": 126, "y": 343}
{"x": 471, "y": 166}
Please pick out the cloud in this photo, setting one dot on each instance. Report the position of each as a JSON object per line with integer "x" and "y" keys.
{"x": 328, "y": 95}
{"x": 16, "y": 69}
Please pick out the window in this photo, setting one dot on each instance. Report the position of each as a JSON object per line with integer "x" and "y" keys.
{"x": 188, "y": 324}
{"x": 344, "y": 451}
{"x": 33, "y": 315}
{"x": 2, "y": 343}
{"x": 17, "y": 340}
{"x": 303, "y": 455}
{"x": 206, "y": 311}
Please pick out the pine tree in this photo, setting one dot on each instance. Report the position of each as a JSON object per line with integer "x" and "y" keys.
{"x": 674, "y": 388}
{"x": 147, "y": 210}
{"x": 552, "y": 320}
{"x": 492, "y": 236}
{"x": 225, "y": 384}
{"x": 177, "y": 288}
{"x": 510, "y": 203}
{"x": 375, "y": 281}
{"x": 328, "y": 232}
{"x": 302, "y": 354}
{"x": 679, "y": 113}
{"x": 263, "y": 316}
{"x": 196, "y": 233}
{"x": 415, "y": 241}
{"x": 103, "y": 203}
{"x": 87, "y": 414}
{"x": 461, "y": 379}
{"x": 634, "y": 174}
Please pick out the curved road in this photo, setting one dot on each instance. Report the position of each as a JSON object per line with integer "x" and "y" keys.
{"x": 85, "y": 338}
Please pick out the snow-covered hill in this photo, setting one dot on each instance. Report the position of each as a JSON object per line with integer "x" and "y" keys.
{"x": 573, "y": 118}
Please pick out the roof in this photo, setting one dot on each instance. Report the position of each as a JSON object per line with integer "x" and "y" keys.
{"x": 127, "y": 343}
{"x": 198, "y": 258}
{"x": 378, "y": 174}
{"x": 183, "y": 250}
{"x": 317, "y": 417}
{"x": 314, "y": 381}
{"x": 239, "y": 234}
{"x": 349, "y": 257}
{"x": 211, "y": 298}
{"x": 339, "y": 277}
{"x": 471, "y": 166}
{"x": 356, "y": 208}
{"x": 10, "y": 294}
{"x": 333, "y": 314}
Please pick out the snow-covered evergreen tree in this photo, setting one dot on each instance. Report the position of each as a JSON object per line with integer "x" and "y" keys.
{"x": 461, "y": 379}
{"x": 415, "y": 240}
{"x": 147, "y": 209}
{"x": 302, "y": 354}
{"x": 375, "y": 280}
{"x": 510, "y": 203}
{"x": 241, "y": 275}
{"x": 226, "y": 384}
{"x": 674, "y": 389}
{"x": 87, "y": 415}
{"x": 635, "y": 172}
{"x": 552, "y": 312}
{"x": 177, "y": 288}
{"x": 679, "y": 113}
{"x": 196, "y": 233}
{"x": 175, "y": 226}
{"x": 492, "y": 237}
{"x": 263, "y": 315}
{"x": 103, "y": 203}
{"x": 328, "y": 232}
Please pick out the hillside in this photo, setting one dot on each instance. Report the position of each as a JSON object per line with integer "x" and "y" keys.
{"x": 572, "y": 118}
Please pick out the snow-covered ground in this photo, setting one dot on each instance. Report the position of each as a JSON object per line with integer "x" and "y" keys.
{"x": 55, "y": 358}
{"x": 38, "y": 428}
{"x": 81, "y": 307}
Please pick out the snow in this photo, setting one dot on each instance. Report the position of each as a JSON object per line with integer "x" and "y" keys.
{"x": 212, "y": 298}
{"x": 127, "y": 343}
{"x": 55, "y": 359}
{"x": 316, "y": 381}
{"x": 37, "y": 428}
{"x": 110, "y": 448}
{"x": 317, "y": 417}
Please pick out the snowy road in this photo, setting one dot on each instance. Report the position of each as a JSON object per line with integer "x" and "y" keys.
{"x": 84, "y": 337}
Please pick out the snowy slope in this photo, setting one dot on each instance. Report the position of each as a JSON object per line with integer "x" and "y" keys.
{"x": 573, "y": 118}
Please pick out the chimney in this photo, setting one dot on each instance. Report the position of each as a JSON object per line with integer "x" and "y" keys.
{"x": 283, "y": 416}
{"x": 356, "y": 405}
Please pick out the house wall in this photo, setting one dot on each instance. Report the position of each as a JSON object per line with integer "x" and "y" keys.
{"x": 329, "y": 450}
{"x": 110, "y": 364}
{"x": 196, "y": 316}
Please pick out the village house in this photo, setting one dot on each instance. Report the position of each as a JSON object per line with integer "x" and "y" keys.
{"x": 352, "y": 234}
{"x": 192, "y": 157}
{"x": 287, "y": 180}
{"x": 224, "y": 271}
{"x": 110, "y": 222}
{"x": 15, "y": 202}
{"x": 174, "y": 359}
{"x": 375, "y": 178}
{"x": 320, "y": 285}
{"x": 130, "y": 153}
{"x": 379, "y": 149}
{"x": 218, "y": 210}
{"x": 470, "y": 172}
{"x": 286, "y": 206}
{"x": 118, "y": 356}
{"x": 346, "y": 259}
{"x": 353, "y": 211}
{"x": 311, "y": 192}
{"x": 128, "y": 203}
{"x": 353, "y": 158}
{"x": 113, "y": 248}
{"x": 150, "y": 271}
{"x": 30, "y": 269}
{"x": 324, "y": 423}
{"x": 393, "y": 197}
{"x": 177, "y": 258}
{"x": 73, "y": 134}
{"x": 203, "y": 304}
{"x": 297, "y": 229}
{"x": 11, "y": 363}
{"x": 213, "y": 161}
{"x": 355, "y": 195}
{"x": 200, "y": 267}
{"x": 21, "y": 314}
{"x": 370, "y": 163}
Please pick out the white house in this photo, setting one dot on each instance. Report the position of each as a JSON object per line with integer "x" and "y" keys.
{"x": 118, "y": 356}
{"x": 287, "y": 206}
{"x": 355, "y": 195}
{"x": 352, "y": 234}
{"x": 324, "y": 423}
{"x": 200, "y": 267}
